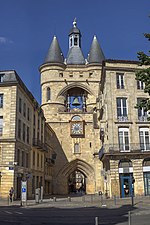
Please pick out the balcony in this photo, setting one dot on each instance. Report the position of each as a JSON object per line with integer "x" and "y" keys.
{"x": 50, "y": 161}
{"x": 39, "y": 144}
{"x": 142, "y": 118}
{"x": 115, "y": 149}
{"x": 122, "y": 119}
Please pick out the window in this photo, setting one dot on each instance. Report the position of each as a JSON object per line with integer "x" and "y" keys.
{"x": 1, "y": 125}
{"x": 24, "y": 132}
{"x": 33, "y": 133}
{"x": 41, "y": 161}
{"x": 33, "y": 185}
{"x": 123, "y": 136}
{"x": 48, "y": 94}
{"x": 20, "y": 105}
{"x": 142, "y": 114}
{"x": 28, "y": 114}
{"x": 38, "y": 123}
{"x": 120, "y": 81}
{"x": 28, "y": 135}
{"x": 140, "y": 85}
{"x": 76, "y": 148}
{"x": 18, "y": 157}
{"x": 19, "y": 129}
{"x": 34, "y": 120}
{"x": 144, "y": 139}
{"x": 1, "y": 100}
{"x": 122, "y": 109}
{"x": 75, "y": 40}
{"x": 27, "y": 159}
{"x": 33, "y": 158}
{"x": 1, "y": 78}
{"x": 38, "y": 159}
{"x": 23, "y": 158}
{"x": 24, "y": 109}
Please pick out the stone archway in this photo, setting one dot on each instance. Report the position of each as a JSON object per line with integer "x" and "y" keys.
{"x": 61, "y": 181}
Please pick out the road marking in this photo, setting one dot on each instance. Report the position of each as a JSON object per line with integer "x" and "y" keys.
{"x": 8, "y": 212}
{"x": 18, "y": 212}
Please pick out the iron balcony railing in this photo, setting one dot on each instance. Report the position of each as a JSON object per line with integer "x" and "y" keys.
{"x": 50, "y": 161}
{"x": 122, "y": 118}
{"x": 142, "y": 118}
{"x": 39, "y": 144}
{"x": 116, "y": 148}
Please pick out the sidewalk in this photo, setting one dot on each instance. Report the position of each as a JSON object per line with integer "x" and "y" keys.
{"x": 142, "y": 202}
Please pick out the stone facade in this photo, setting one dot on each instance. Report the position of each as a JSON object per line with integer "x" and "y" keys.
{"x": 59, "y": 119}
{"x": 126, "y": 141}
{"x": 22, "y": 138}
{"x": 87, "y": 136}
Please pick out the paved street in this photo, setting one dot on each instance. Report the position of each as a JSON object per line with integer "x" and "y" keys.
{"x": 76, "y": 212}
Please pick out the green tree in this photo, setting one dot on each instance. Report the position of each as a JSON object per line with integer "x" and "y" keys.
{"x": 144, "y": 76}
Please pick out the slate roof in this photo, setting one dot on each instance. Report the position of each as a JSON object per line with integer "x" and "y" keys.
{"x": 75, "y": 56}
{"x": 54, "y": 54}
{"x": 96, "y": 54}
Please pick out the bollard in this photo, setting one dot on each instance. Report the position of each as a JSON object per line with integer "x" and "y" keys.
{"x": 101, "y": 199}
{"x": 91, "y": 198}
{"x": 83, "y": 198}
{"x": 129, "y": 218}
{"x": 115, "y": 200}
{"x": 69, "y": 199}
{"x": 132, "y": 200}
{"x": 96, "y": 220}
{"x": 54, "y": 199}
{"x": 8, "y": 200}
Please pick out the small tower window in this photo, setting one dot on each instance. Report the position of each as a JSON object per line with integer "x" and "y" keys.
{"x": 71, "y": 42}
{"x": 48, "y": 93}
{"x": 75, "y": 41}
{"x": 76, "y": 148}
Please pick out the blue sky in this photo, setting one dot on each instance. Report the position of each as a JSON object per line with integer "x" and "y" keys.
{"x": 28, "y": 26}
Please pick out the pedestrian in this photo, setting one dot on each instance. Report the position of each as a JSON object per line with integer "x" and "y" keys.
{"x": 11, "y": 192}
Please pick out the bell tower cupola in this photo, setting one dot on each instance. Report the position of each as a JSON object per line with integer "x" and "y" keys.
{"x": 74, "y": 36}
{"x": 75, "y": 55}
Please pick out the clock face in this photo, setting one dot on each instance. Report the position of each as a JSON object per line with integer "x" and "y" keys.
{"x": 76, "y": 128}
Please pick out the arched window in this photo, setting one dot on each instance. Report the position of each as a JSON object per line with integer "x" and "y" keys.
{"x": 76, "y": 118}
{"x": 125, "y": 163}
{"x": 146, "y": 162}
{"x": 48, "y": 93}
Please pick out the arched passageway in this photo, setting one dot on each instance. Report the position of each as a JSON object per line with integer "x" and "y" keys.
{"x": 75, "y": 176}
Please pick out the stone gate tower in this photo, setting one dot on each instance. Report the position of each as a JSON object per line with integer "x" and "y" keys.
{"x": 70, "y": 101}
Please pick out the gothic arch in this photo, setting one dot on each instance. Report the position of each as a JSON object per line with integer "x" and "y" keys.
{"x": 76, "y": 164}
{"x": 73, "y": 85}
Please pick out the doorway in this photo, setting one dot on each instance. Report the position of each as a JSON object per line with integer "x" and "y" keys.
{"x": 147, "y": 183}
{"x": 77, "y": 182}
{"x": 126, "y": 185}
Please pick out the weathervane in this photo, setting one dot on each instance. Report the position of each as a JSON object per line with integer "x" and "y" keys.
{"x": 74, "y": 22}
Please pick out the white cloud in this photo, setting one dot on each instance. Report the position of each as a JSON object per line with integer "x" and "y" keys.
{"x": 4, "y": 40}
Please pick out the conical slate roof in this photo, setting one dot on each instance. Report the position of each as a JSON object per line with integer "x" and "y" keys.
{"x": 54, "y": 54}
{"x": 75, "y": 56}
{"x": 96, "y": 54}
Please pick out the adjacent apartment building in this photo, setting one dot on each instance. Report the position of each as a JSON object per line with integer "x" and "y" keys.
{"x": 24, "y": 144}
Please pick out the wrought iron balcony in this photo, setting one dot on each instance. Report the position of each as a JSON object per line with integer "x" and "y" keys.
{"x": 122, "y": 119}
{"x": 39, "y": 144}
{"x": 142, "y": 118}
{"x": 130, "y": 148}
{"x": 50, "y": 161}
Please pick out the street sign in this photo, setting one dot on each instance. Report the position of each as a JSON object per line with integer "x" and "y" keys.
{"x": 23, "y": 191}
